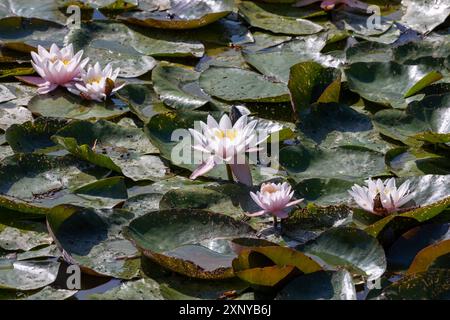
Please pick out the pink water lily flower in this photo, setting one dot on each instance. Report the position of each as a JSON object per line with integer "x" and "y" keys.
{"x": 57, "y": 67}
{"x": 380, "y": 197}
{"x": 328, "y": 5}
{"x": 224, "y": 142}
{"x": 274, "y": 199}
{"x": 97, "y": 84}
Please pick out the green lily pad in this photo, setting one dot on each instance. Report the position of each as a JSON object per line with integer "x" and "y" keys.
{"x": 333, "y": 125}
{"x": 323, "y": 191}
{"x": 27, "y": 275}
{"x": 143, "y": 289}
{"x": 347, "y": 163}
{"x": 42, "y": 180}
{"x": 142, "y": 100}
{"x": 106, "y": 193}
{"x": 49, "y": 293}
{"x": 306, "y": 224}
{"x": 349, "y": 248}
{"x": 389, "y": 83}
{"x": 392, "y": 226}
{"x": 25, "y": 35}
{"x": 233, "y": 84}
{"x": 23, "y": 235}
{"x": 106, "y": 5}
{"x": 423, "y": 15}
{"x": 178, "y": 86}
{"x": 47, "y": 10}
{"x": 122, "y": 149}
{"x": 310, "y": 82}
{"x": 274, "y": 19}
{"x": 182, "y": 16}
{"x": 60, "y": 104}
{"x": 321, "y": 285}
{"x": 34, "y": 136}
{"x": 92, "y": 239}
{"x": 134, "y": 42}
{"x": 11, "y": 114}
{"x": 430, "y": 114}
{"x": 405, "y": 162}
{"x": 50, "y": 251}
{"x": 5, "y": 94}
{"x": 190, "y": 242}
{"x": 431, "y": 285}
{"x": 99, "y": 40}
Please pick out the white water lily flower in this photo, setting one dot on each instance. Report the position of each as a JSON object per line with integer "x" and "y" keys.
{"x": 94, "y": 83}
{"x": 57, "y": 67}
{"x": 391, "y": 198}
{"x": 274, "y": 199}
{"x": 224, "y": 142}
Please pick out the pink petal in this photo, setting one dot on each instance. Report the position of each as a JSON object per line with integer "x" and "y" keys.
{"x": 46, "y": 88}
{"x": 256, "y": 214}
{"x": 203, "y": 168}
{"x": 293, "y": 203}
{"x": 242, "y": 173}
{"x": 34, "y": 81}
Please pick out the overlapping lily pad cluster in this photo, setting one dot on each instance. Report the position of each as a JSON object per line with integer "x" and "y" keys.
{"x": 92, "y": 183}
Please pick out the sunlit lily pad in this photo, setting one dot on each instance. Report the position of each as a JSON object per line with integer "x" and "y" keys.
{"x": 92, "y": 239}
{"x": 97, "y": 42}
{"x": 23, "y": 235}
{"x": 182, "y": 14}
{"x": 61, "y": 104}
{"x": 27, "y": 275}
{"x": 430, "y": 114}
{"x": 44, "y": 180}
{"x": 349, "y": 248}
{"x": 423, "y": 15}
{"x": 11, "y": 114}
{"x": 122, "y": 149}
{"x": 389, "y": 83}
{"x": 190, "y": 242}
{"x": 178, "y": 87}
{"x": 285, "y": 21}
{"x": 46, "y": 10}
{"x": 26, "y": 34}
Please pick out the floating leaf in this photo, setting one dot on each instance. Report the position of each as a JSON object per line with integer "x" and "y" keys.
{"x": 287, "y": 21}
{"x": 178, "y": 87}
{"x": 61, "y": 104}
{"x": 349, "y": 248}
{"x": 388, "y": 83}
{"x": 23, "y": 235}
{"x": 423, "y": 15}
{"x": 187, "y": 241}
{"x": 321, "y": 285}
{"x": 92, "y": 239}
{"x": 346, "y": 163}
{"x": 428, "y": 255}
{"x": 33, "y": 136}
{"x": 27, "y": 275}
{"x": 232, "y": 84}
{"x": 182, "y": 14}
{"x": 122, "y": 149}
{"x": 11, "y": 114}
{"x": 44, "y": 181}
{"x": 310, "y": 82}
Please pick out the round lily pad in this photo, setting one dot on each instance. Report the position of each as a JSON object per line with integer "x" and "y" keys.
{"x": 190, "y": 242}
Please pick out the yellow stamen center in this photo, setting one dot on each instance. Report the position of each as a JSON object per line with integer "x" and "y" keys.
{"x": 230, "y": 134}
{"x": 269, "y": 188}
